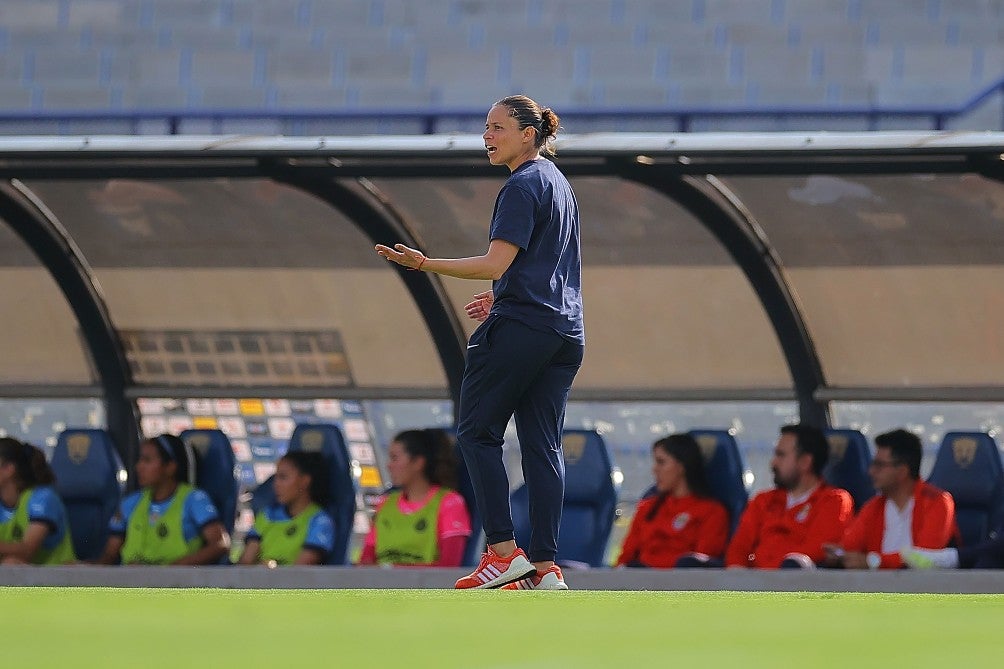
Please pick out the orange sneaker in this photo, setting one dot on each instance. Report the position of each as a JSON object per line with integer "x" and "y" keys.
{"x": 548, "y": 580}
{"x": 495, "y": 570}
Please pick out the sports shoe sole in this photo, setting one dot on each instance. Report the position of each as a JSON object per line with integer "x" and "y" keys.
{"x": 519, "y": 568}
{"x": 549, "y": 582}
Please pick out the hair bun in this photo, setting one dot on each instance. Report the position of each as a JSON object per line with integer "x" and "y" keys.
{"x": 548, "y": 121}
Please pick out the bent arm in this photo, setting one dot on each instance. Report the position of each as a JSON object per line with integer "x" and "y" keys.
{"x": 252, "y": 549}
{"x": 828, "y": 527}
{"x": 744, "y": 541}
{"x": 25, "y": 549}
{"x": 113, "y": 550}
{"x": 631, "y": 549}
{"x": 714, "y": 534}
{"x": 217, "y": 542}
{"x": 309, "y": 556}
{"x": 937, "y": 525}
{"x": 490, "y": 266}
{"x": 451, "y": 551}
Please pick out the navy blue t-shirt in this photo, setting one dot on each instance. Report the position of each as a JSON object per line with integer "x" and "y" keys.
{"x": 536, "y": 210}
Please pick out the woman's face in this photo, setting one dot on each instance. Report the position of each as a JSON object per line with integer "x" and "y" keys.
{"x": 290, "y": 484}
{"x": 505, "y": 142}
{"x": 667, "y": 470}
{"x": 403, "y": 468}
{"x": 151, "y": 470}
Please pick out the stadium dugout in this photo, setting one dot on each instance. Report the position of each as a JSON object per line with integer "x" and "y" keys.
{"x": 812, "y": 268}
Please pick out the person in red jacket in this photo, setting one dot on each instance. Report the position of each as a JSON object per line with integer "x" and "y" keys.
{"x": 682, "y": 517}
{"x": 787, "y": 526}
{"x": 906, "y": 512}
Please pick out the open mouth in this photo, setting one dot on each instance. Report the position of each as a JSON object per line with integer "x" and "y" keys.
{"x": 491, "y": 149}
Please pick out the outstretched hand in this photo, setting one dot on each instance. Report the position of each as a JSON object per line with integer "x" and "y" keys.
{"x": 482, "y": 304}
{"x": 402, "y": 255}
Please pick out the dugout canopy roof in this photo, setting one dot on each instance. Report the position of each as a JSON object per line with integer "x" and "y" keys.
{"x": 717, "y": 266}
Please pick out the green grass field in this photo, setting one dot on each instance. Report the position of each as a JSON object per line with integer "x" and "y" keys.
{"x": 103, "y": 627}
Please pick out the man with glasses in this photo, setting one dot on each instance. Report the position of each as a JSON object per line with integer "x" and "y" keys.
{"x": 906, "y": 512}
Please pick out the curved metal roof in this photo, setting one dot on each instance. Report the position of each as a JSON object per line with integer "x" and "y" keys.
{"x": 804, "y": 265}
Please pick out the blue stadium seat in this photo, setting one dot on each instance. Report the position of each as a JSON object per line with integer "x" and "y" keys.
{"x": 327, "y": 439}
{"x": 90, "y": 479}
{"x": 968, "y": 466}
{"x": 724, "y": 468}
{"x": 215, "y": 471}
{"x": 263, "y": 496}
{"x": 847, "y": 466}
{"x": 590, "y": 500}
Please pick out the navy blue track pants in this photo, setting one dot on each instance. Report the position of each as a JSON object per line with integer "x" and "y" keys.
{"x": 515, "y": 370}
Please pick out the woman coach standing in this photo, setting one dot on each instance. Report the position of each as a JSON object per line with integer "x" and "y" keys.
{"x": 523, "y": 357}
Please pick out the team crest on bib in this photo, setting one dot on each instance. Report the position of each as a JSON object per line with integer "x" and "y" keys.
{"x": 162, "y": 530}
{"x": 680, "y": 521}
{"x": 421, "y": 525}
{"x": 803, "y": 513}
{"x": 291, "y": 530}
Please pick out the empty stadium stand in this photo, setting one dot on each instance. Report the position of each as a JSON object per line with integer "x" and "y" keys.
{"x": 283, "y": 55}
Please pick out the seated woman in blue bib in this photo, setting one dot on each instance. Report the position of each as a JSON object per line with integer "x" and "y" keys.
{"x": 295, "y": 530}
{"x": 33, "y": 522}
{"x": 168, "y": 521}
{"x": 423, "y": 520}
